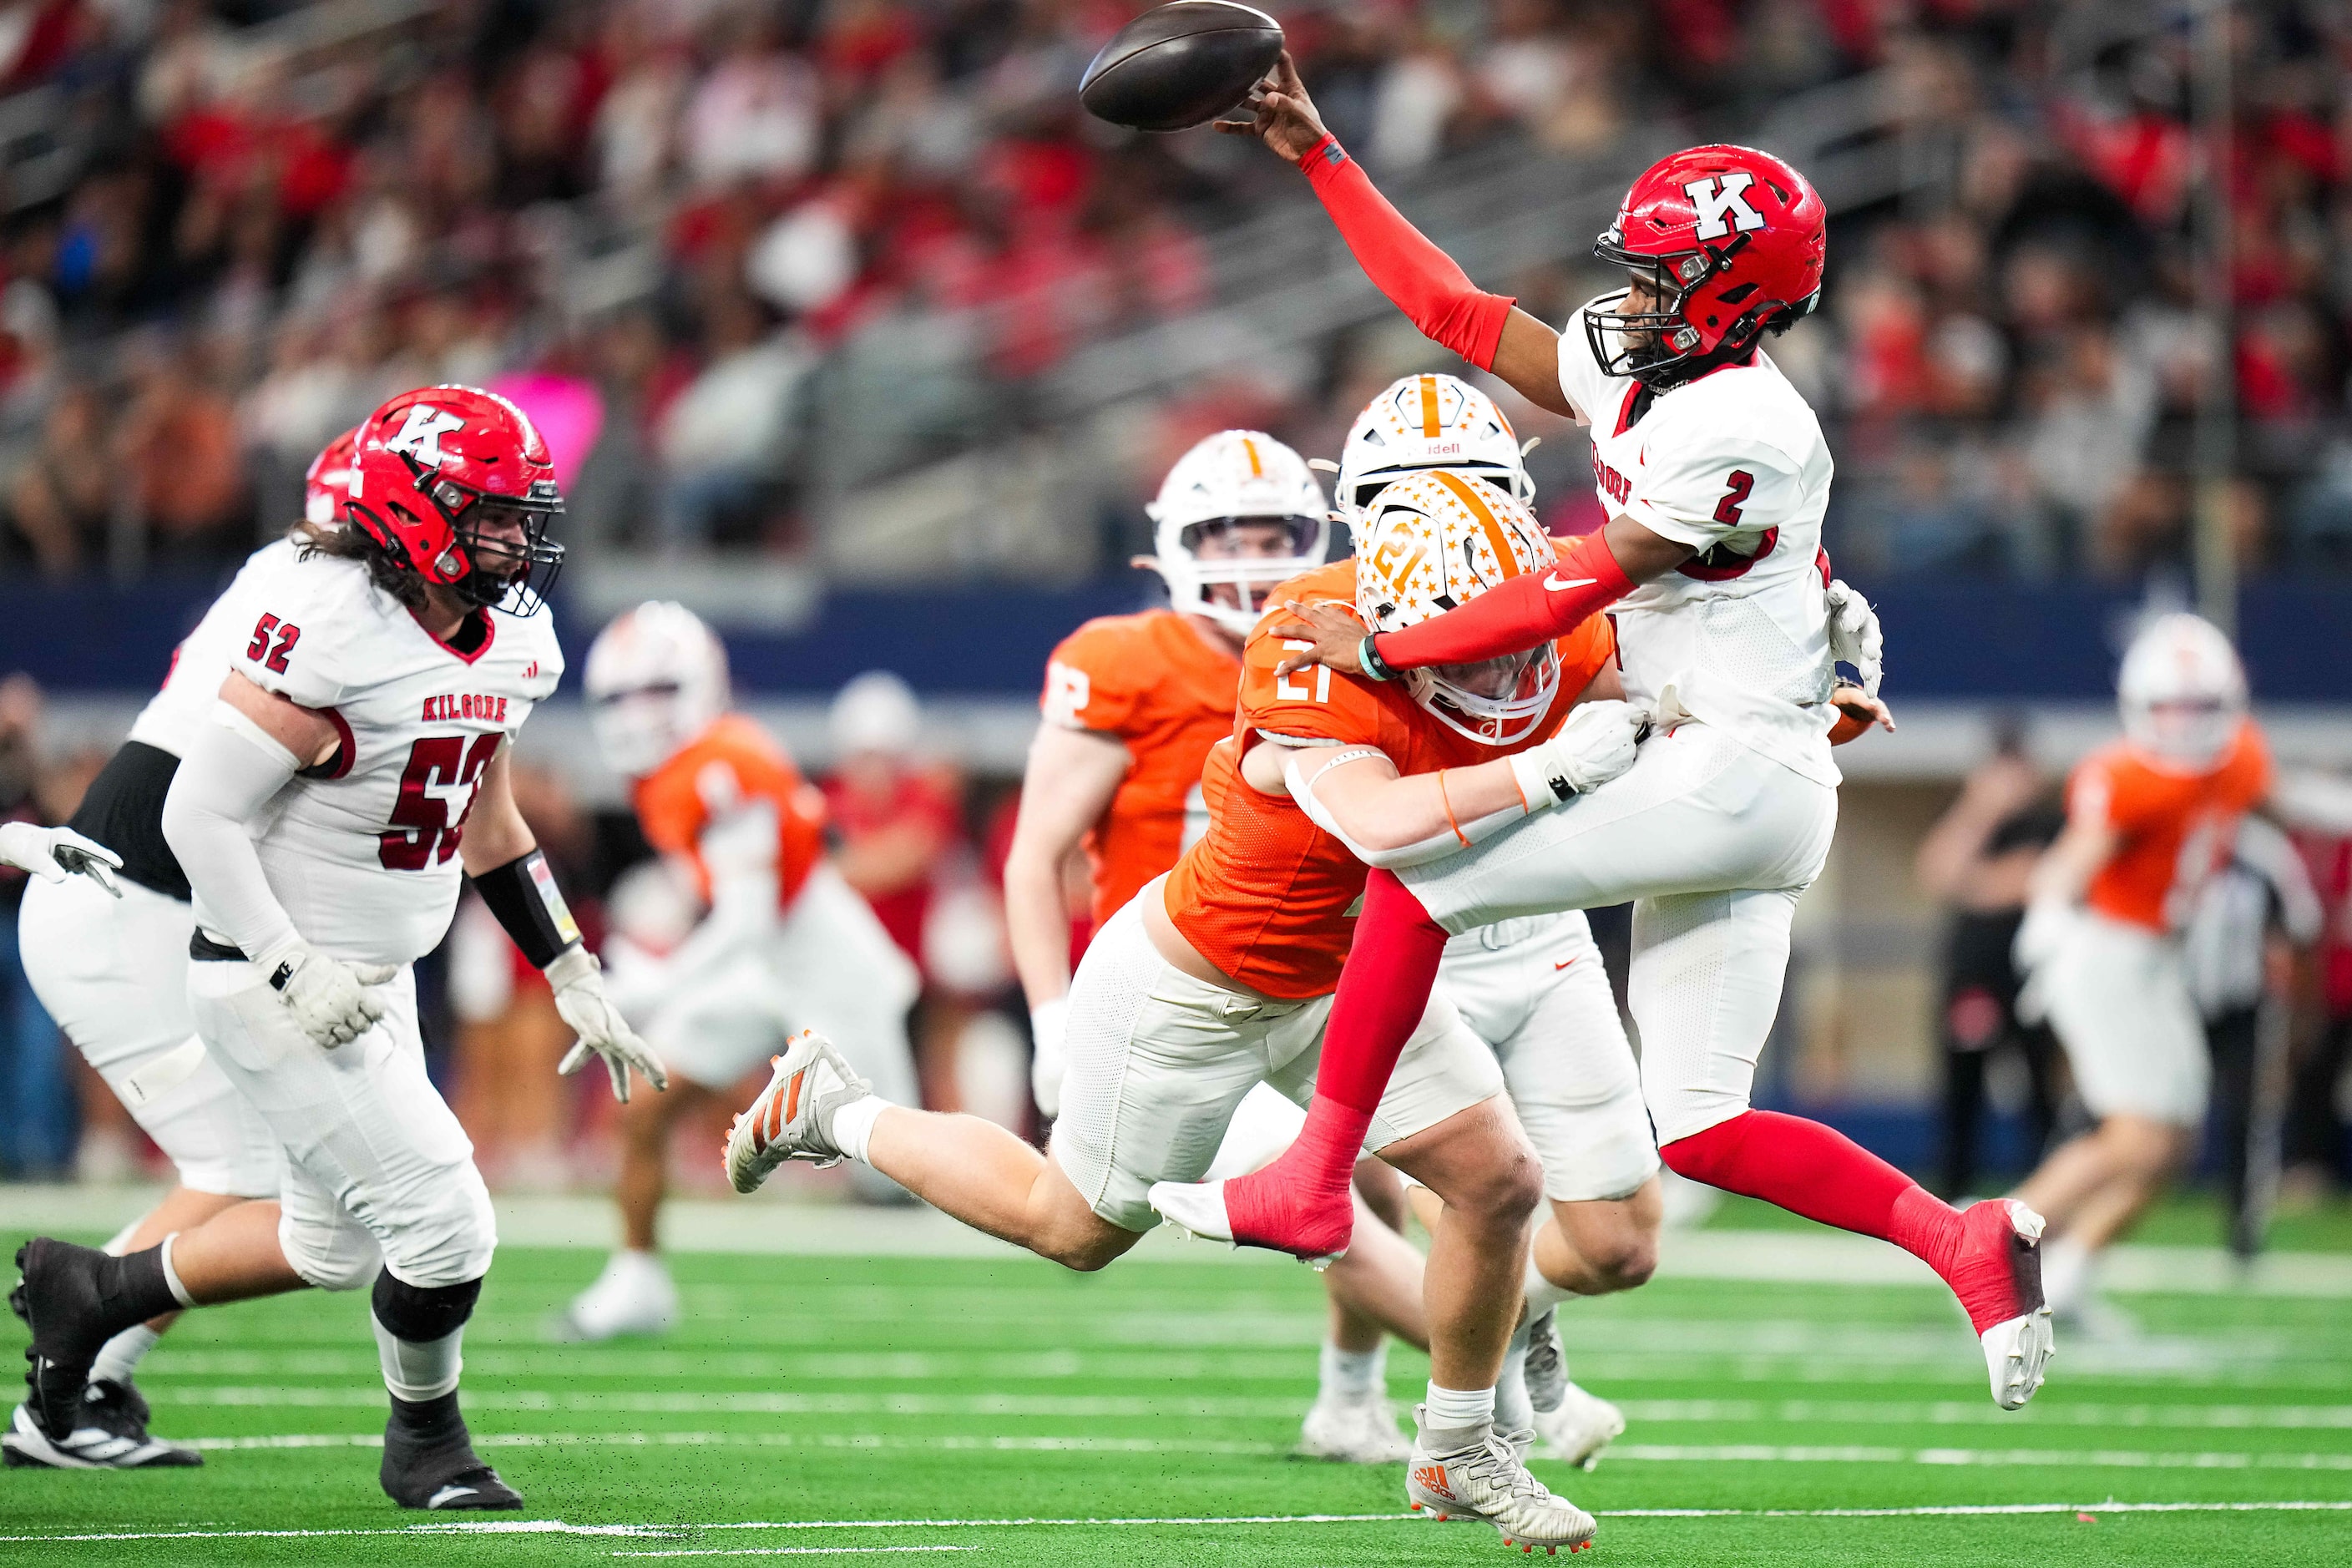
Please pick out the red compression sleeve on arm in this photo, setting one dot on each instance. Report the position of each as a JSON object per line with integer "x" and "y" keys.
{"x": 1419, "y": 278}
{"x": 1526, "y": 612}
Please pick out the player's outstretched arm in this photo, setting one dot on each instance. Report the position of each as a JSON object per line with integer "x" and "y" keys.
{"x": 503, "y": 861}
{"x": 1070, "y": 781}
{"x": 1419, "y": 278}
{"x": 53, "y": 854}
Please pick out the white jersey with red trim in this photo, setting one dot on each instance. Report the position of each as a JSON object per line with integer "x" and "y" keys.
{"x": 172, "y": 718}
{"x": 362, "y": 850}
{"x": 1734, "y": 465}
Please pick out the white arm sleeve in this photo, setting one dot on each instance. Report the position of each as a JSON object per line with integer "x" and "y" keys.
{"x": 229, "y": 774}
{"x": 1435, "y": 847}
{"x": 2317, "y": 802}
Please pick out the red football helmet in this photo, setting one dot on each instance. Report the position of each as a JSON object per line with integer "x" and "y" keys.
{"x": 1730, "y": 239}
{"x": 454, "y": 484}
{"x": 328, "y": 480}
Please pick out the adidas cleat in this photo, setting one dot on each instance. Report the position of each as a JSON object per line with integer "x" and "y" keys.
{"x": 112, "y": 1436}
{"x": 793, "y": 1117}
{"x": 58, "y": 1297}
{"x": 1477, "y": 1473}
{"x": 1353, "y": 1431}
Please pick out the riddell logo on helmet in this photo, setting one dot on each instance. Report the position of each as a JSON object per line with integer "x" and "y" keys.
{"x": 1445, "y": 449}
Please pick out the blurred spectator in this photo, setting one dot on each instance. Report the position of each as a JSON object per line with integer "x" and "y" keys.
{"x": 726, "y": 437}
{"x": 1976, "y": 860}
{"x": 2320, "y": 1100}
{"x": 36, "y": 1105}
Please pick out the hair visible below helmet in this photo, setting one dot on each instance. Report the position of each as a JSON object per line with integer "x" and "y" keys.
{"x": 2182, "y": 692}
{"x": 657, "y": 678}
{"x": 327, "y": 483}
{"x": 1431, "y": 543}
{"x": 1424, "y": 422}
{"x": 1235, "y": 477}
{"x": 454, "y": 484}
{"x": 1734, "y": 241}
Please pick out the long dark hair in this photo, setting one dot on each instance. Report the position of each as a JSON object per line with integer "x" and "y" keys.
{"x": 343, "y": 542}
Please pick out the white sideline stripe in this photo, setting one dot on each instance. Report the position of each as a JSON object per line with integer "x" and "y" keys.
{"x": 558, "y": 1527}
{"x": 1637, "y": 1453}
{"x": 786, "y": 1551}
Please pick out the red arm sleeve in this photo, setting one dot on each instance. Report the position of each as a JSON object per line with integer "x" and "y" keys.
{"x": 1526, "y": 612}
{"x": 1419, "y": 278}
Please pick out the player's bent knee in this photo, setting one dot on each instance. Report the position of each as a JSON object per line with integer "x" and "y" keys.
{"x": 329, "y": 1255}
{"x": 422, "y": 1314}
{"x": 1628, "y": 1262}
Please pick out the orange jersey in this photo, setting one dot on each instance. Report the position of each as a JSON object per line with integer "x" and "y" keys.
{"x": 1153, "y": 683}
{"x": 2174, "y": 829}
{"x": 732, "y": 763}
{"x": 1268, "y": 896}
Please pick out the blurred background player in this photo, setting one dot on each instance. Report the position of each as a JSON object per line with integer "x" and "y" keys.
{"x": 113, "y": 972}
{"x": 782, "y": 942}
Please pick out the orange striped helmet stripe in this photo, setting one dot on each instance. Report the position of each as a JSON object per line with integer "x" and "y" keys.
{"x": 1429, "y": 406}
{"x": 1257, "y": 469}
{"x": 1496, "y": 538}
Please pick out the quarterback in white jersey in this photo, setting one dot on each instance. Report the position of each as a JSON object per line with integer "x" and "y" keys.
{"x": 112, "y": 971}
{"x": 352, "y": 769}
{"x": 1716, "y": 477}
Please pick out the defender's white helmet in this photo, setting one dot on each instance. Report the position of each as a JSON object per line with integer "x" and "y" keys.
{"x": 1424, "y": 422}
{"x": 2182, "y": 692}
{"x": 1236, "y": 475}
{"x": 656, "y": 679}
{"x": 1434, "y": 540}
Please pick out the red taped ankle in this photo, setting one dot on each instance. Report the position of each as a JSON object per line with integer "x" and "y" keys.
{"x": 1300, "y": 1203}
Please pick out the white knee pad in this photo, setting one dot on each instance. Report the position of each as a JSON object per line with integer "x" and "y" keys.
{"x": 331, "y": 1252}
{"x": 446, "y": 1236}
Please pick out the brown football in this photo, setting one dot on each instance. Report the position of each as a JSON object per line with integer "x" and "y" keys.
{"x": 1180, "y": 66}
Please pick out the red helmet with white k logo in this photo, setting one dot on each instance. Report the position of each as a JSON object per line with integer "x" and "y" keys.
{"x": 1729, "y": 241}
{"x": 454, "y": 485}
{"x": 328, "y": 480}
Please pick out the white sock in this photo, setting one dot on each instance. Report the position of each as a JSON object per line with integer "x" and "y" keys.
{"x": 1541, "y": 1293}
{"x": 121, "y": 1356}
{"x": 418, "y": 1370}
{"x": 853, "y": 1126}
{"x": 1451, "y": 1407}
{"x": 1355, "y": 1374}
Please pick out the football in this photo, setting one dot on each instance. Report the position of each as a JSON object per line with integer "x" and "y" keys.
{"x": 1180, "y": 66}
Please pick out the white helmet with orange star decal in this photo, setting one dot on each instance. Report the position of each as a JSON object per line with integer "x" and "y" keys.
{"x": 1236, "y": 516}
{"x": 1425, "y": 421}
{"x": 1431, "y": 543}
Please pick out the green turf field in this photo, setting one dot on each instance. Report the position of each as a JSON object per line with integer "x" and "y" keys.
{"x": 1009, "y": 1413}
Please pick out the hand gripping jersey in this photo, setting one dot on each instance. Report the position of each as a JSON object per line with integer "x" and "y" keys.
{"x": 1153, "y": 683}
{"x": 362, "y": 849}
{"x": 1732, "y": 464}
{"x": 2174, "y": 828}
{"x": 732, "y": 765}
{"x": 1268, "y": 896}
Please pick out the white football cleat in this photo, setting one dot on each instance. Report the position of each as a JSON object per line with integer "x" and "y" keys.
{"x": 1196, "y": 1209}
{"x": 634, "y": 1295}
{"x": 1580, "y": 1427}
{"x": 2016, "y": 1351}
{"x": 1475, "y": 1473}
{"x": 1354, "y": 1431}
{"x": 793, "y": 1117}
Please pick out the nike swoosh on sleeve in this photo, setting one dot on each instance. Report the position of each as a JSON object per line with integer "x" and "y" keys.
{"x": 1554, "y": 585}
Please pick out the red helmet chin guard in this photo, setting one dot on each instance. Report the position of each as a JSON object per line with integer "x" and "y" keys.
{"x": 1732, "y": 239}
{"x": 454, "y": 484}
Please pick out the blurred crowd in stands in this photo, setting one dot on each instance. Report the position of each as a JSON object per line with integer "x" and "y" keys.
{"x": 232, "y": 226}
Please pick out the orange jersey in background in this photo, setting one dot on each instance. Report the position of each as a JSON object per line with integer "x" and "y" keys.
{"x": 1153, "y": 683}
{"x": 2175, "y": 829}
{"x": 732, "y": 763}
{"x": 1268, "y": 896}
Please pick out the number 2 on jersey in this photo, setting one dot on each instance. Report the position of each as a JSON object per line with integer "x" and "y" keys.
{"x": 430, "y": 839}
{"x": 1735, "y": 496}
{"x": 261, "y": 653}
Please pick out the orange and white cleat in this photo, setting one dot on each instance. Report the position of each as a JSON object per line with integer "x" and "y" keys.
{"x": 1475, "y": 1473}
{"x": 791, "y": 1119}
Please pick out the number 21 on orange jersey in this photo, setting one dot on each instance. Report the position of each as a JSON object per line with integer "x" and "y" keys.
{"x": 1287, "y": 690}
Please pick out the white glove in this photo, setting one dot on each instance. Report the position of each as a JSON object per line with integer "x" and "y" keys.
{"x": 580, "y": 999}
{"x": 1594, "y": 746}
{"x": 328, "y": 998}
{"x": 53, "y": 854}
{"x": 1048, "y": 1061}
{"x": 1855, "y": 636}
{"x": 2043, "y": 935}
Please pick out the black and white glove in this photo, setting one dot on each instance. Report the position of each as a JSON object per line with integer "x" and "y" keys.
{"x": 53, "y": 854}
{"x": 580, "y": 999}
{"x": 331, "y": 1000}
{"x": 1855, "y": 636}
{"x": 1595, "y": 746}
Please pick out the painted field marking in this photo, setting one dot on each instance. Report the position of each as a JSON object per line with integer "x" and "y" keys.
{"x": 786, "y": 1551}
{"x": 558, "y": 1527}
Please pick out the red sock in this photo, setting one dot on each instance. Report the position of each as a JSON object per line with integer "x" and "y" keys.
{"x": 1820, "y": 1172}
{"x": 1299, "y": 1204}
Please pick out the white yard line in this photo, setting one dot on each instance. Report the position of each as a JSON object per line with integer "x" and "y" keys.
{"x": 558, "y": 1527}
{"x": 787, "y": 1551}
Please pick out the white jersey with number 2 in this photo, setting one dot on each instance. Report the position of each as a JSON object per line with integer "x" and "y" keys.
{"x": 1734, "y": 465}
{"x": 362, "y": 849}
